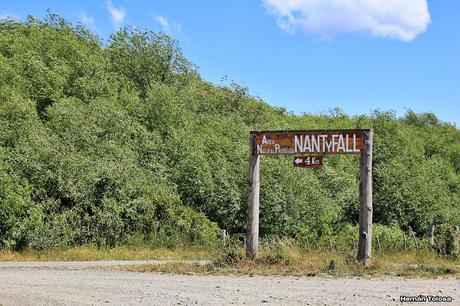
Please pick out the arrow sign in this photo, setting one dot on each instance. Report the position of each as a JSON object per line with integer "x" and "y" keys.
{"x": 309, "y": 161}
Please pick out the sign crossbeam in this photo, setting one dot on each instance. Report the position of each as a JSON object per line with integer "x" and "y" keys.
{"x": 308, "y": 142}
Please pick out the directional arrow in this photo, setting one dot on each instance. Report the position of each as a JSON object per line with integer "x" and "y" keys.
{"x": 309, "y": 161}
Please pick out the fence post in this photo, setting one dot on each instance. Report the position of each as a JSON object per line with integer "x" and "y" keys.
{"x": 415, "y": 239}
{"x": 308, "y": 244}
{"x": 431, "y": 235}
{"x": 378, "y": 243}
{"x": 330, "y": 245}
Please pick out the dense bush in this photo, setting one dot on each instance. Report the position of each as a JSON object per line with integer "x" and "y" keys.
{"x": 447, "y": 240}
{"x": 122, "y": 141}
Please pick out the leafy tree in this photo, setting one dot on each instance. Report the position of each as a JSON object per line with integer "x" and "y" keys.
{"x": 121, "y": 142}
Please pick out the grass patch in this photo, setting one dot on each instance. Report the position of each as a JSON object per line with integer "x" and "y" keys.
{"x": 276, "y": 258}
{"x": 411, "y": 264}
{"x": 90, "y": 253}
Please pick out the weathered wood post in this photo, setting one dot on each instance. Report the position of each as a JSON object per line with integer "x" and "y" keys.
{"x": 365, "y": 200}
{"x": 330, "y": 245}
{"x": 252, "y": 232}
{"x": 431, "y": 235}
{"x": 415, "y": 238}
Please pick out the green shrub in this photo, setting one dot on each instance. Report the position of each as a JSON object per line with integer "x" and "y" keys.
{"x": 390, "y": 237}
{"x": 123, "y": 142}
{"x": 447, "y": 240}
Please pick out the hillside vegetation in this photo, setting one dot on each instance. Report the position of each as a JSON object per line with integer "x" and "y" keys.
{"x": 122, "y": 142}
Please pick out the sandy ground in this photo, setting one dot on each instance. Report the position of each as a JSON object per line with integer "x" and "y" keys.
{"x": 71, "y": 283}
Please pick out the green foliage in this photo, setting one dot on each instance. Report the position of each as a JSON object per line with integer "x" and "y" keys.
{"x": 14, "y": 198}
{"x": 447, "y": 240}
{"x": 390, "y": 237}
{"x": 122, "y": 142}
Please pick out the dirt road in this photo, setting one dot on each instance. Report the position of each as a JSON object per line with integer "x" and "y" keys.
{"x": 71, "y": 283}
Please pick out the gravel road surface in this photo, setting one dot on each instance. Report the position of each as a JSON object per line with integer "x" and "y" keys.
{"x": 71, "y": 283}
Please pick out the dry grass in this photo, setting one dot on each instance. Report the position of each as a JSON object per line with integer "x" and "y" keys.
{"x": 412, "y": 264}
{"x": 276, "y": 258}
{"x": 88, "y": 253}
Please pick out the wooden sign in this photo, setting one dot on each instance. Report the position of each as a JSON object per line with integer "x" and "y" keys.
{"x": 312, "y": 144}
{"x": 309, "y": 161}
{"x": 309, "y": 142}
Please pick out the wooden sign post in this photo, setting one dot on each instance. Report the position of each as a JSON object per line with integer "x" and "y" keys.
{"x": 305, "y": 145}
{"x": 252, "y": 233}
{"x": 365, "y": 199}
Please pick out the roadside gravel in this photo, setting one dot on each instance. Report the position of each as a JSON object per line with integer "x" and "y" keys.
{"x": 71, "y": 283}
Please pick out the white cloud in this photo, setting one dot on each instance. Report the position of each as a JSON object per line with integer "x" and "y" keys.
{"x": 86, "y": 19}
{"x": 168, "y": 27}
{"x": 399, "y": 19}
{"x": 9, "y": 16}
{"x": 117, "y": 14}
{"x": 163, "y": 23}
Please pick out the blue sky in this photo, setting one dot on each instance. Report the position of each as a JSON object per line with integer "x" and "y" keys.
{"x": 304, "y": 55}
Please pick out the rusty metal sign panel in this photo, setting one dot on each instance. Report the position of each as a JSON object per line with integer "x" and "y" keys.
{"x": 308, "y": 142}
{"x": 309, "y": 161}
